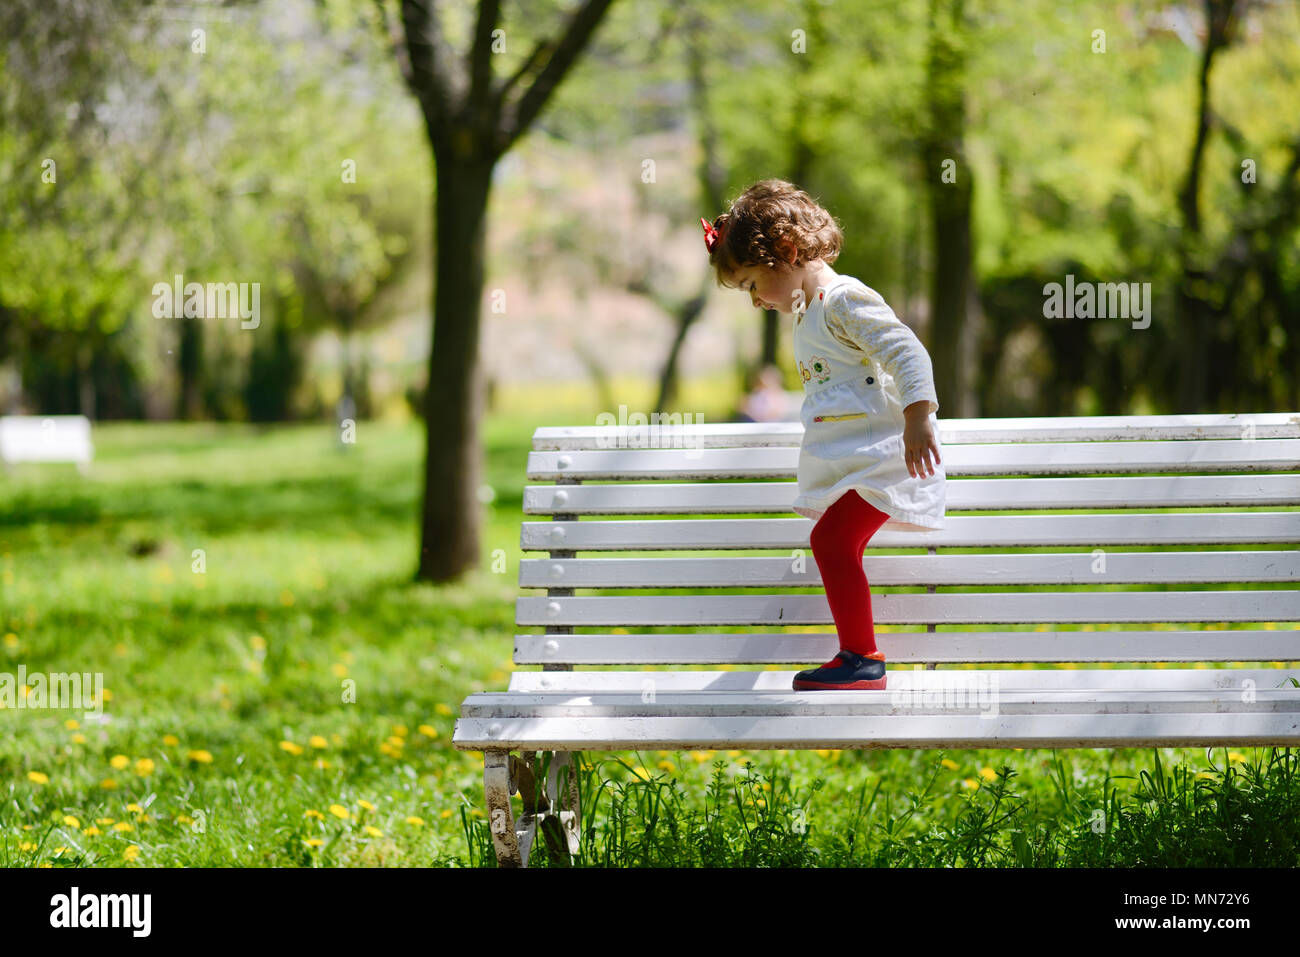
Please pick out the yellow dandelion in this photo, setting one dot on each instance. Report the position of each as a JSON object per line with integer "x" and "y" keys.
{"x": 374, "y": 831}
{"x": 734, "y": 754}
{"x": 184, "y": 819}
{"x": 642, "y": 773}
{"x": 78, "y": 738}
{"x": 92, "y": 831}
{"x": 415, "y": 821}
{"x": 26, "y": 846}
{"x": 257, "y": 641}
{"x": 321, "y": 764}
{"x": 1205, "y": 774}
{"x": 105, "y": 820}
{"x": 442, "y": 709}
{"x": 170, "y": 740}
{"x": 312, "y": 812}
{"x": 286, "y": 598}
{"x": 988, "y": 774}
{"x": 318, "y": 741}
{"x": 106, "y": 695}
{"x": 340, "y": 812}
{"x": 428, "y": 730}
{"x": 949, "y": 763}
{"x": 120, "y": 762}
{"x": 144, "y": 767}
{"x": 131, "y": 853}
{"x": 124, "y": 826}
{"x": 38, "y": 777}
{"x": 400, "y": 730}
{"x": 11, "y": 640}
{"x": 42, "y": 863}
{"x": 666, "y": 765}
{"x": 386, "y": 748}
{"x": 71, "y": 821}
{"x": 340, "y": 670}
{"x": 823, "y": 752}
{"x": 72, "y": 724}
{"x": 366, "y": 804}
{"x": 396, "y": 742}
{"x": 445, "y": 814}
{"x": 135, "y": 807}
{"x": 969, "y": 783}
{"x": 201, "y": 756}
{"x": 313, "y": 842}
{"x": 1234, "y": 757}
{"x": 108, "y": 784}
{"x": 291, "y": 747}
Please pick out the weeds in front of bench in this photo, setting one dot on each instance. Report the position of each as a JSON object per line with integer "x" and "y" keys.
{"x": 1232, "y": 816}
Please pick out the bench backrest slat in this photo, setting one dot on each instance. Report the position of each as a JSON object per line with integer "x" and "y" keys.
{"x": 1039, "y": 568}
{"x": 1103, "y": 428}
{"x": 719, "y": 498}
{"x": 1232, "y": 479}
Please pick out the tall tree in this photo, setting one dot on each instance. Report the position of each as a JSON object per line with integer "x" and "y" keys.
{"x": 1196, "y": 339}
{"x": 948, "y": 178}
{"x": 472, "y": 118}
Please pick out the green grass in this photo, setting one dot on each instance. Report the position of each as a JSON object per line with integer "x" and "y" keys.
{"x": 304, "y": 628}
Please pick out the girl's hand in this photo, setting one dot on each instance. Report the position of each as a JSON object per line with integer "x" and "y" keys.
{"x": 919, "y": 441}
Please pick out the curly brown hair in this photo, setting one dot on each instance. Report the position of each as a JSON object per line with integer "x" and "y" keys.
{"x": 765, "y": 214}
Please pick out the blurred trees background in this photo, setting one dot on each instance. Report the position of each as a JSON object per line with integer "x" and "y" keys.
{"x": 973, "y": 150}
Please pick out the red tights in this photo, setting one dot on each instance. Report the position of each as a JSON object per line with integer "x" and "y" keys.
{"x": 837, "y": 541}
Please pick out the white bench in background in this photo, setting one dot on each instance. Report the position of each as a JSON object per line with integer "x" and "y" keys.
{"x": 1237, "y": 471}
{"x": 46, "y": 438}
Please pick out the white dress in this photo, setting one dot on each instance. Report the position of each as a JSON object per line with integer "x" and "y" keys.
{"x": 861, "y": 366}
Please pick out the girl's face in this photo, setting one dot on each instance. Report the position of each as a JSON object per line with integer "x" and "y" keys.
{"x": 769, "y": 288}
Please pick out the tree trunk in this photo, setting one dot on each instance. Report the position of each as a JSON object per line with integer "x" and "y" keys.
{"x": 189, "y": 360}
{"x": 686, "y": 316}
{"x": 1195, "y": 331}
{"x": 950, "y": 210}
{"x": 449, "y": 537}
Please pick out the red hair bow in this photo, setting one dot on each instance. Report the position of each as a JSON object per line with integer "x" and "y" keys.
{"x": 711, "y": 235}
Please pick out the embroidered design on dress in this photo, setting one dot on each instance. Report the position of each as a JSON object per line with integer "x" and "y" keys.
{"x": 821, "y": 369}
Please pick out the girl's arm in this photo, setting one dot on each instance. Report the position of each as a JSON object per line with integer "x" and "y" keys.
{"x": 861, "y": 319}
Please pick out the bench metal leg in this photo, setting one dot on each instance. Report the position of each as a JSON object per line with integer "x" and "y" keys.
{"x": 505, "y": 774}
{"x": 561, "y": 827}
{"x": 506, "y": 839}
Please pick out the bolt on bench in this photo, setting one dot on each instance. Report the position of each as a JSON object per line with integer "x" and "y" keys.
{"x": 1119, "y": 578}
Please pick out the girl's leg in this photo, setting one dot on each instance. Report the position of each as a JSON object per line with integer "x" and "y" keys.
{"x": 837, "y": 542}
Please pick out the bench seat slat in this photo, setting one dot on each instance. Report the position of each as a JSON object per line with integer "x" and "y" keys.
{"x": 905, "y": 648}
{"x": 971, "y": 531}
{"x": 1017, "y": 679}
{"x": 963, "y": 608}
{"x": 1210, "y": 729}
{"x": 1013, "y": 459}
{"x": 913, "y": 570}
{"x": 1130, "y": 491}
{"x": 980, "y": 693}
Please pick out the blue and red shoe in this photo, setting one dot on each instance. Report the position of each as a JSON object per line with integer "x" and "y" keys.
{"x": 846, "y": 671}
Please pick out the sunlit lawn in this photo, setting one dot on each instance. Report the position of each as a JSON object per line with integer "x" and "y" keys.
{"x": 278, "y": 692}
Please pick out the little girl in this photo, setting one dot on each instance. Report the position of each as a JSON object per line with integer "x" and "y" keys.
{"x": 868, "y": 409}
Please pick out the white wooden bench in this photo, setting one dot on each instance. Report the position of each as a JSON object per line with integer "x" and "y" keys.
{"x": 45, "y": 438}
{"x": 1233, "y": 478}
